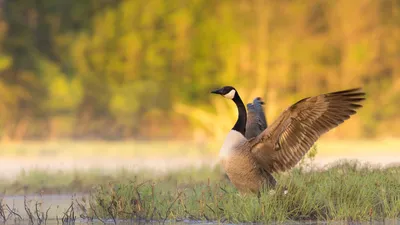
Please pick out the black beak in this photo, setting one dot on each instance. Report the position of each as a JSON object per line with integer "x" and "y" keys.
{"x": 218, "y": 91}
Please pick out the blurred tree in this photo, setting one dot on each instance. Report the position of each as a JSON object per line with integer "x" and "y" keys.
{"x": 115, "y": 69}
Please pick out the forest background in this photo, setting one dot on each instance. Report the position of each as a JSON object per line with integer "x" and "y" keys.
{"x": 143, "y": 70}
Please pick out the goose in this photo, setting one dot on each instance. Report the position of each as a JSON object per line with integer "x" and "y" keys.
{"x": 250, "y": 162}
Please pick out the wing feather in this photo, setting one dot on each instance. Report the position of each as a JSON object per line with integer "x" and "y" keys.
{"x": 256, "y": 121}
{"x": 282, "y": 145}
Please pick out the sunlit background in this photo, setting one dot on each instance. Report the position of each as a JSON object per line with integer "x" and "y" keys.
{"x": 126, "y": 83}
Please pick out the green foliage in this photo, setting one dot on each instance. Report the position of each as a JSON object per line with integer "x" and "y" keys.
{"x": 110, "y": 65}
{"x": 64, "y": 94}
{"x": 5, "y": 62}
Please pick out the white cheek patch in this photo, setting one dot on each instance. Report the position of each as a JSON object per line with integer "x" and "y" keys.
{"x": 230, "y": 94}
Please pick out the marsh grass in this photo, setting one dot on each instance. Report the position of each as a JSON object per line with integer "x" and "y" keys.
{"x": 347, "y": 191}
{"x": 40, "y": 181}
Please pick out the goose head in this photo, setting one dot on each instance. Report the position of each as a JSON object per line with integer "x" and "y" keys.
{"x": 228, "y": 92}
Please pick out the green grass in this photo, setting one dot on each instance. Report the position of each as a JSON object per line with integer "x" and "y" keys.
{"x": 38, "y": 181}
{"x": 347, "y": 191}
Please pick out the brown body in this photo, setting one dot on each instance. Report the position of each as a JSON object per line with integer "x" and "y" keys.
{"x": 243, "y": 171}
{"x": 246, "y": 174}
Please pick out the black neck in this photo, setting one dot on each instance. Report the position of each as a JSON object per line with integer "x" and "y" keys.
{"x": 240, "y": 124}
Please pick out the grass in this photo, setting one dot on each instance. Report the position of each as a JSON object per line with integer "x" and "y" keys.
{"x": 346, "y": 191}
{"x": 38, "y": 181}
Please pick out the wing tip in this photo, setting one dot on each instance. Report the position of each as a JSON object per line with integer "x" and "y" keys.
{"x": 256, "y": 101}
{"x": 353, "y": 91}
{"x": 350, "y": 95}
{"x": 259, "y": 100}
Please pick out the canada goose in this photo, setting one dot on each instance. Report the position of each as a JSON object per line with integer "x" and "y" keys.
{"x": 249, "y": 163}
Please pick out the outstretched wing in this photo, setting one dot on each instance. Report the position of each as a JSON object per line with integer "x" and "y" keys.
{"x": 288, "y": 139}
{"x": 256, "y": 122}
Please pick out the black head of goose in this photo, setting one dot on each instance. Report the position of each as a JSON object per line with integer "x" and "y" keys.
{"x": 249, "y": 163}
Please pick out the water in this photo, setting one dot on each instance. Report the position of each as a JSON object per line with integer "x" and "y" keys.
{"x": 56, "y": 206}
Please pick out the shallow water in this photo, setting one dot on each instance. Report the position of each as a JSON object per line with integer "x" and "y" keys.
{"x": 55, "y": 204}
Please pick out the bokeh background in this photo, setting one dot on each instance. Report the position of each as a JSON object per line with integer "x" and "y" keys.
{"x": 127, "y": 82}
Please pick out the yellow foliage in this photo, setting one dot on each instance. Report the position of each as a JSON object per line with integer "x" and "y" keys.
{"x": 111, "y": 63}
